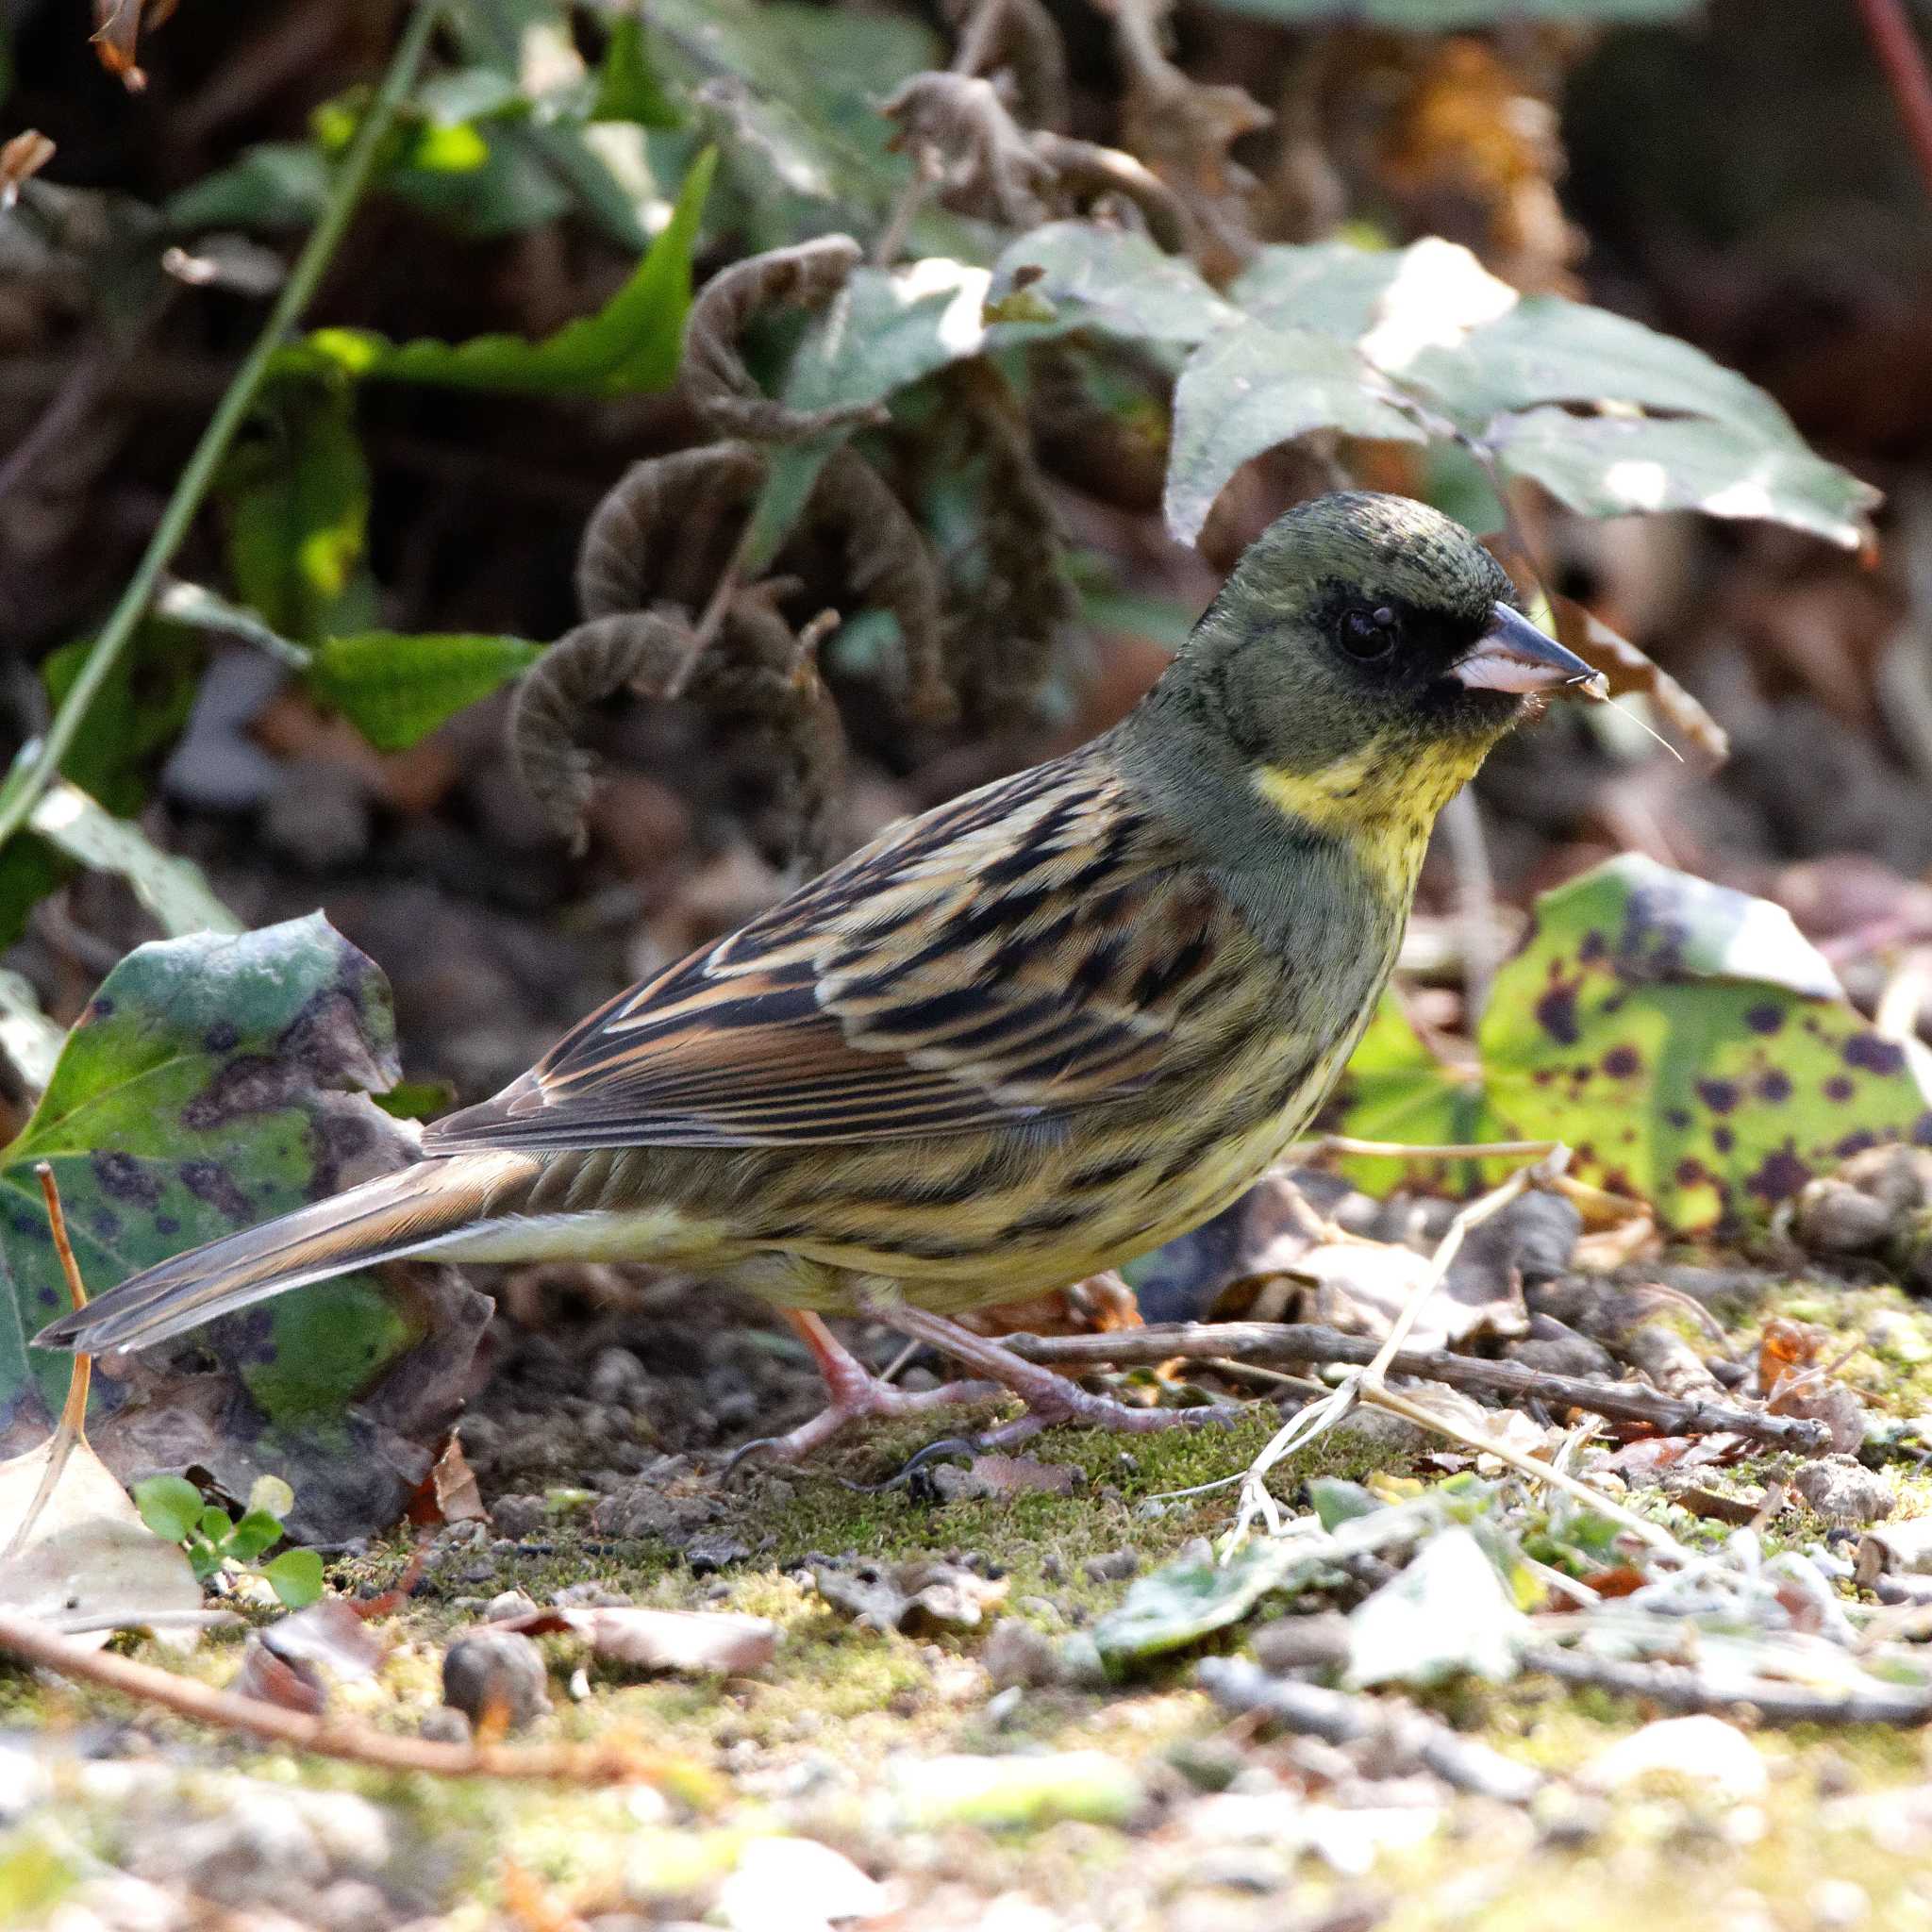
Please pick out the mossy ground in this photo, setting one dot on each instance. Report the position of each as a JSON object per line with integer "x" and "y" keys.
{"x": 810, "y": 1744}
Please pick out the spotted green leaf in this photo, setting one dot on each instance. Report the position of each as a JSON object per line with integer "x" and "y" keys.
{"x": 1689, "y": 1045}
{"x": 212, "y": 1083}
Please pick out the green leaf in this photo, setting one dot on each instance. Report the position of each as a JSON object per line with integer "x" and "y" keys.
{"x": 278, "y": 184}
{"x": 1113, "y": 280}
{"x": 295, "y": 1577}
{"x": 269, "y": 1495}
{"x": 1253, "y": 386}
{"x": 1684, "y": 1039}
{"x": 790, "y": 90}
{"x": 297, "y": 492}
{"x": 211, "y": 1084}
{"x": 255, "y": 1531}
{"x": 170, "y": 1506}
{"x": 1334, "y": 287}
{"x": 30, "y": 1042}
{"x": 216, "y": 1524}
{"x": 1182, "y": 1601}
{"x": 629, "y": 347}
{"x": 173, "y": 889}
{"x": 1645, "y": 422}
{"x": 396, "y": 688}
{"x": 135, "y": 717}
{"x": 629, "y": 87}
{"x": 1610, "y": 466}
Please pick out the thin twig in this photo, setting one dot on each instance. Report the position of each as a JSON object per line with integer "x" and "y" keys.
{"x": 35, "y": 774}
{"x": 1251, "y": 1343}
{"x": 71, "y": 1431}
{"x": 325, "y": 1736}
{"x": 1899, "y": 54}
{"x": 1319, "y": 1417}
{"x": 1673, "y": 1688}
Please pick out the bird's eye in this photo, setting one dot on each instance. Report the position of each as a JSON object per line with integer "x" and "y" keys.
{"x": 1369, "y": 633}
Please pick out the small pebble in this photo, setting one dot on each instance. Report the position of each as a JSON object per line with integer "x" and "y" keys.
{"x": 486, "y": 1669}
{"x": 444, "y": 1725}
{"x": 1116, "y": 1566}
{"x": 506, "y": 1605}
{"x": 1291, "y": 1647}
{"x": 1843, "y": 1491}
{"x": 1016, "y": 1654}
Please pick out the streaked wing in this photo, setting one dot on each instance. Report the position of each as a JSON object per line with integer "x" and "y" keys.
{"x": 1031, "y": 948}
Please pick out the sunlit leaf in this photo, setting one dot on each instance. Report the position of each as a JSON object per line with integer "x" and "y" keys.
{"x": 630, "y": 345}
{"x": 396, "y": 688}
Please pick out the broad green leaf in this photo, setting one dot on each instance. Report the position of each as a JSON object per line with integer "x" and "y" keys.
{"x": 1684, "y": 1039}
{"x": 1253, "y": 387}
{"x": 792, "y": 91}
{"x": 1691, "y": 1045}
{"x": 278, "y": 184}
{"x": 295, "y": 1577}
{"x": 1545, "y": 349}
{"x": 255, "y": 1531}
{"x": 211, "y": 1084}
{"x": 135, "y": 717}
{"x": 170, "y": 1506}
{"x": 1182, "y": 1601}
{"x": 1395, "y": 1090}
{"x": 1645, "y": 422}
{"x": 173, "y": 890}
{"x": 297, "y": 492}
{"x": 396, "y": 688}
{"x": 1331, "y": 286}
{"x": 1114, "y": 279}
{"x": 1610, "y": 466}
{"x": 269, "y": 1495}
{"x": 630, "y": 347}
{"x": 630, "y": 87}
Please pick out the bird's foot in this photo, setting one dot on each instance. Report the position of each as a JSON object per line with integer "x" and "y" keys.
{"x": 857, "y": 1395}
{"x": 1050, "y": 1398}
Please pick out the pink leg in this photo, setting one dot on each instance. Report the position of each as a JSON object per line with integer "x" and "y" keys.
{"x": 857, "y": 1393}
{"x": 1049, "y": 1398}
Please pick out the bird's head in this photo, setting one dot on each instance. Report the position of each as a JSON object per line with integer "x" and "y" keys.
{"x": 1363, "y": 657}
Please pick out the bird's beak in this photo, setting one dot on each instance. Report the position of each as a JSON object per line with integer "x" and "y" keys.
{"x": 1513, "y": 656}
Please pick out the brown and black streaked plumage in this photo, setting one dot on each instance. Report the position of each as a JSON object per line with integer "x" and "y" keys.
{"x": 1019, "y": 1038}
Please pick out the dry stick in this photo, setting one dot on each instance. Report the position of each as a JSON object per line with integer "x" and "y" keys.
{"x": 1891, "y": 34}
{"x": 1249, "y": 1344}
{"x": 1675, "y": 1688}
{"x": 71, "y": 1431}
{"x": 354, "y": 1743}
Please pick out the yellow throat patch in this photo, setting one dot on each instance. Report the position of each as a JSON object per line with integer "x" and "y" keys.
{"x": 1380, "y": 801}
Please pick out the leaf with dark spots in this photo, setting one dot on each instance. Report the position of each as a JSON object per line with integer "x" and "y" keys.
{"x": 218, "y": 1081}
{"x": 1706, "y": 1050}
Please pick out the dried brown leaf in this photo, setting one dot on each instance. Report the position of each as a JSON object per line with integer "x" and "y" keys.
{"x": 26, "y": 154}
{"x": 962, "y": 138}
{"x": 1017, "y": 38}
{"x": 117, "y": 33}
{"x": 665, "y": 530}
{"x": 1008, "y": 617}
{"x": 1085, "y": 172}
{"x": 1184, "y": 129}
{"x": 695, "y": 1641}
{"x": 712, "y": 375}
{"x": 889, "y": 564}
{"x": 1628, "y": 672}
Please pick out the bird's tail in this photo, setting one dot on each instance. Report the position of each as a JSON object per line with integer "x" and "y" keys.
{"x": 423, "y": 1207}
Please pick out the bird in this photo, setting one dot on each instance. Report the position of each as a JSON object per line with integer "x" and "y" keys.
{"x": 1015, "y": 1041}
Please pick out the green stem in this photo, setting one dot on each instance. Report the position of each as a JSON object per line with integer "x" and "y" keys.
{"x": 32, "y": 774}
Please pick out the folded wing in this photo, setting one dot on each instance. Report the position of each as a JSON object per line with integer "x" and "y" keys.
{"x": 1036, "y": 946}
